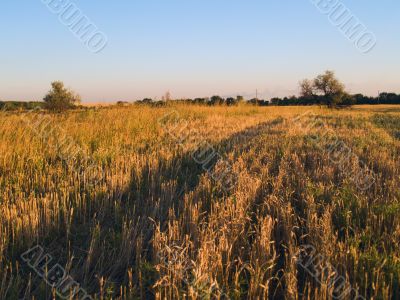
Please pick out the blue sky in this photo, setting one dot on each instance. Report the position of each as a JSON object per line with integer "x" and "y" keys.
{"x": 193, "y": 48}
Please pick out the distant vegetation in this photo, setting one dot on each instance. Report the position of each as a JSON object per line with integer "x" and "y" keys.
{"x": 346, "y": 100}
{"x": 325, "y": 89}
{"x": 17, "y": 105}
{"x": 356, "y": 99}
{"x": 58, "y": 99}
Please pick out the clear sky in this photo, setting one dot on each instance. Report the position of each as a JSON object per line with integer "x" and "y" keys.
{"x": 194, "y": 49}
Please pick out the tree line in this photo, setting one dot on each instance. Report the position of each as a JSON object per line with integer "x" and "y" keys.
{"x": 324, "y": 89}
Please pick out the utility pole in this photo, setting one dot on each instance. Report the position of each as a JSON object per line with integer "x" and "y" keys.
{"x": 257, "y": 94}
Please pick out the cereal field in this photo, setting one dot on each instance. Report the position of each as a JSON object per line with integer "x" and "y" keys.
{"x": 197, "y": 202}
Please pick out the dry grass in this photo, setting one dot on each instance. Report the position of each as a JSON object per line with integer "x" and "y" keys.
{"x": 148, "y": 222}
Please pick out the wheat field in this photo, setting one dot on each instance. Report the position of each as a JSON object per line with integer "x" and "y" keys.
{"x": 125, "y": 200}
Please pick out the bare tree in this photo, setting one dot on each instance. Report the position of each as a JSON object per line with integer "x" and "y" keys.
{"x": 166, "y": 97}
{"x": 306, "y": 88}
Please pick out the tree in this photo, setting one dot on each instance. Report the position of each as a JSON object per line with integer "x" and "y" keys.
{"x": 60, "y": 98}
{"x": 325, "y": 87}
{"x": 167, "y": 96}
{"x": 276, "y": 101}
{"x": 330, "y": 87}
{"x": 216, "y": 100}
{"x": 147, "y": 101}
{"x": 239, "y": 99}
{"x": 253, "y": 101}
{"x": 230, "y": 101}
{"x": 348, "y": 100}
{"x": 306, "y": 88}
{"x": 200, "y": 100}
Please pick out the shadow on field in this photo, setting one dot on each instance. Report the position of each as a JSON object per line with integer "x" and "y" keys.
{"x": 374, "y": 109}
{"x": 158, "y": 194}
{"x": 389, "y": 123}
{"x": 113, "y": 232}
{"x": 154, "y": 181}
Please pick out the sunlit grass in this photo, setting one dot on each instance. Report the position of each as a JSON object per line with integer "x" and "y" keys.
{"x": 132, "y": 215}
